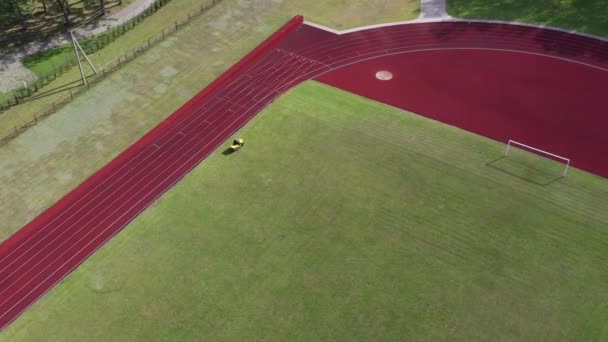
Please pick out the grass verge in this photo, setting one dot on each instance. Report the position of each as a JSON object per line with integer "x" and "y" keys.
{"x": 343, "y": 218}
{"x": 588, "y": 16}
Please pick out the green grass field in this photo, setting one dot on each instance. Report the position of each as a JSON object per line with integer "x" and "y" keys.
{"x": 345, "y": 219}
{"x": 587, "y": 16}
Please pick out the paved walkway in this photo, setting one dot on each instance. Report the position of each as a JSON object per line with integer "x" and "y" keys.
{"x": 13, "y": 73}
{"x": 433, "y": 9}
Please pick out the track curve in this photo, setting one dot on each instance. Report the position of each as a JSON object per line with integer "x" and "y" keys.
{"x": 552, "y": 104}
{"x": 51, "y": 246}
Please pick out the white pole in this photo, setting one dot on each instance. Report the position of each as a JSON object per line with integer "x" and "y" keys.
{"x": 507, "y": 149}
{"x": 84, "y": 79}
{"x": 86, "y": 57}
{"x": 540, "y": 151}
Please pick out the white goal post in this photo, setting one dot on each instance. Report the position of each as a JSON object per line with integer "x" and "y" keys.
{"x": 513, "y": 142}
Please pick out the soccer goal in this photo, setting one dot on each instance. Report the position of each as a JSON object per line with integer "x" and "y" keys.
{"x": 538, "y": 151}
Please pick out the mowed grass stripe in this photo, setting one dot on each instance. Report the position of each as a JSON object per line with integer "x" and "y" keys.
{"x": 343, "y": 218}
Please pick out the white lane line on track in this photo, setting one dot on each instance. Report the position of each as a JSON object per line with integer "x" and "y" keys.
{"x": 299, "y": 56}
{"x": 42, "y": 229}
{"x": 412, "y": 34}
{"x": 100, "y": 213}
{"x": 182, "y": 134}
{"x": 454, "y": 20}
{"x": 134, "y": 157}
{"x": 48, "y": 254}
{"x": 464, "y": 48}
{"x": 167, "y": 188}
{"x": 271, "y": 97}
{"x": 435, "y": 45}
{"x": 193, "y": 113}
{"x": 349, "y": 43}
{"x": 318, "y": 72}
{"x": 115, "y": 180}
{"x": 189, "y": 148}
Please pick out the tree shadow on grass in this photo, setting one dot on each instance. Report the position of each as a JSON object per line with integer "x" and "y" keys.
{"x": 527, "y": 174}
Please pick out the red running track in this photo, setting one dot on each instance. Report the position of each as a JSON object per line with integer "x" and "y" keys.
{"x": 51, "y": 246}
{"x": 548, "y": 103}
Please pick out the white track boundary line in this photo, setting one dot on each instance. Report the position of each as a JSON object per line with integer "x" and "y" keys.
{"x": 291, "y": 84}
{"x": 332, "y": 68}
{"x": 452, "y": 20}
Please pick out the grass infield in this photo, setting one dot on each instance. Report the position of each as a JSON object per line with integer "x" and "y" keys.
{"x": 343, "y": 218}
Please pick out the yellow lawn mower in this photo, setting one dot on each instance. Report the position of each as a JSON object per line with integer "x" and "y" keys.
{"x": 236, "y": 145}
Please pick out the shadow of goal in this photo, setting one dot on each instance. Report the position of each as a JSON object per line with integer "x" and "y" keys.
{"x": 531, "y": 164}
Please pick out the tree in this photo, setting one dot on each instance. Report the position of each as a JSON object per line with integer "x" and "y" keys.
{"x": 6, "y": 15}
{"x": 103, "y": 7}
{"x": 65, "y": 9}
{"x": 14, "y": 7}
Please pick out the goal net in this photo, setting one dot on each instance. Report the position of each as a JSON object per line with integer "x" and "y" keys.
{"x": 513, "y": 145}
